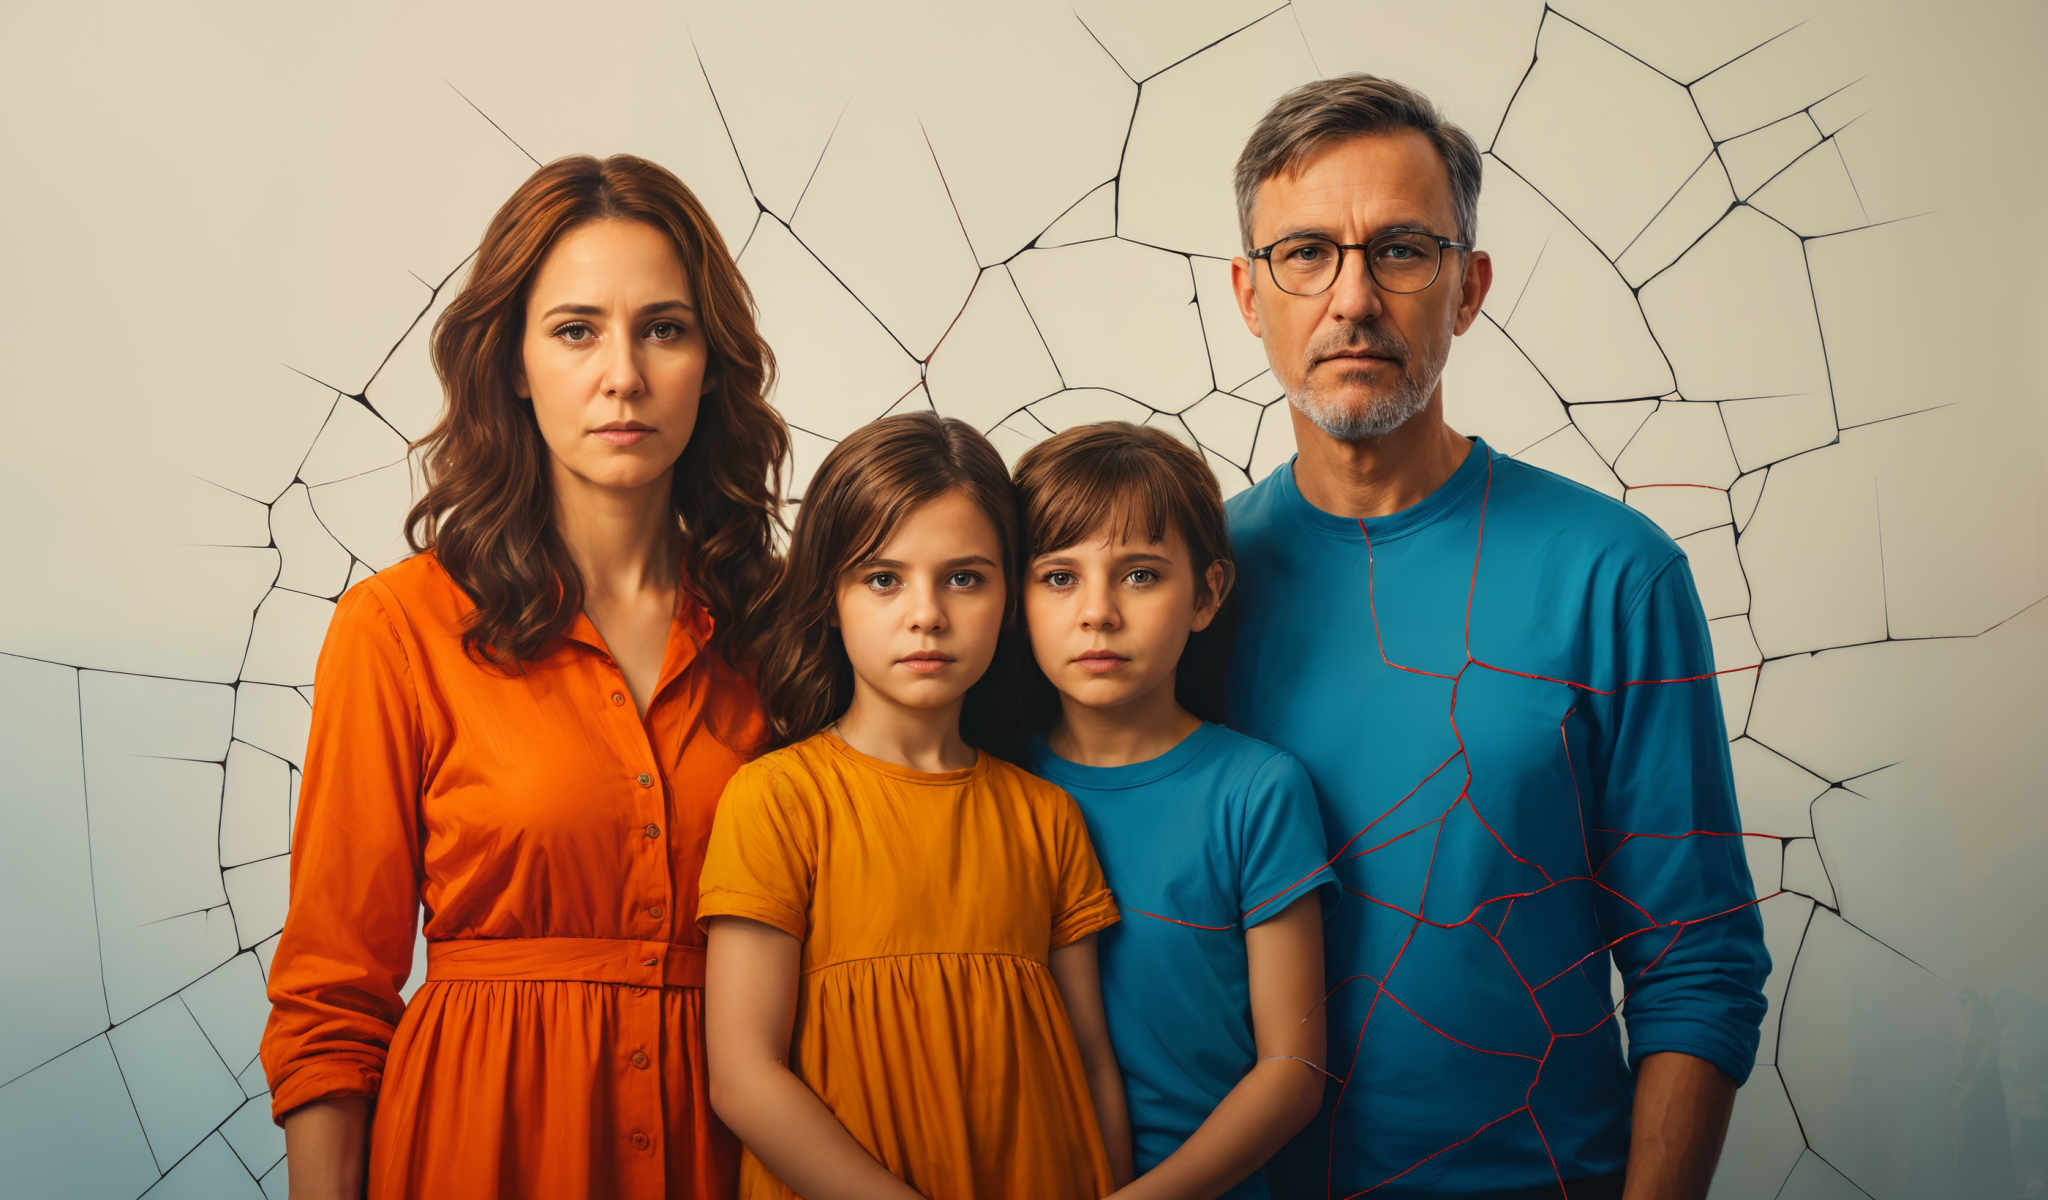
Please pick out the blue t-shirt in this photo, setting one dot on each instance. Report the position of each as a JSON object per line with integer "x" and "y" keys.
{"x": 1492, "y": 690}
{"x": 1199, "y": 844}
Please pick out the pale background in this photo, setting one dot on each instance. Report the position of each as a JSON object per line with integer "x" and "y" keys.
{"x": 226, "y": 228}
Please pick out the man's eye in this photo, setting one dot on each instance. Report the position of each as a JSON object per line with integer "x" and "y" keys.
{"x": 1310, "y": 252}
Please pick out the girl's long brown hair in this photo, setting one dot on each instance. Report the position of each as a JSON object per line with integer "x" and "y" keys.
{"x": 488, "y": 510}
{"x": 862, "y": 491}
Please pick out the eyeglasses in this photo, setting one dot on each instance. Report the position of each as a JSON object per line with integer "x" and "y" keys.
{"x": 1399, "y": 261}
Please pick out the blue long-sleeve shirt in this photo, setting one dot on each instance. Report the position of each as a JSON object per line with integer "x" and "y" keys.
{"x": 1512, "y": 794}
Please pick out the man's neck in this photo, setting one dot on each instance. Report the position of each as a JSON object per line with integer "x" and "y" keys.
{"x": 1381, "y": 475}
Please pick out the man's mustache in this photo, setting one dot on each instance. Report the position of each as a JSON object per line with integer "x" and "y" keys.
{"x": 1360, "y": 339}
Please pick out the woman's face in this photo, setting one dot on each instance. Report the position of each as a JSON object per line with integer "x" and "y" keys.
{"x": 614, "y": 359}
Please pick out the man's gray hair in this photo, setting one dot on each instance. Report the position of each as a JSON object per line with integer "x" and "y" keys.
{"x": 1314, "y": 115}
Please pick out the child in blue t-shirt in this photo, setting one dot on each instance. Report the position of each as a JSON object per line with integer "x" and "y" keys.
{"x": 1211, "y": 840}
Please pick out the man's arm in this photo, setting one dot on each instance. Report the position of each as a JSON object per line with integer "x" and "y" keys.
{"x": 1681, "y": 1117}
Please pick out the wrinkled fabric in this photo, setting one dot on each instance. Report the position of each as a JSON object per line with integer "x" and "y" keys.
{"x": 928, "y": 905}
{"x": 552, "y": 836}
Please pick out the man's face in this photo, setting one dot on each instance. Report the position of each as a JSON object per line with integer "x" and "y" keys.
{"x": 1357, "y": 360}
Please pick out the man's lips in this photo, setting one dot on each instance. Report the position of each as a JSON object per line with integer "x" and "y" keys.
{"x": 1357, "y": 356}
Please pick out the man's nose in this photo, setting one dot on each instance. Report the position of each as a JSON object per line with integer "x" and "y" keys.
{"x": 1354, "y": 297}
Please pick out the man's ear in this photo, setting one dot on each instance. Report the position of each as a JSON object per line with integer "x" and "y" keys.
{"x": 1241, "y": 278}
{"x": 1216, "y": 583}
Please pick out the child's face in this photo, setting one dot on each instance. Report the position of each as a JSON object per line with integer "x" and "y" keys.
{"x": 920, "y": 619}
{"x": 1109, "y": 615}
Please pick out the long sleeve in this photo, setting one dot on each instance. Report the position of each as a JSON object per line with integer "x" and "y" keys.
{"x": 1695, "y": 980}
{"x": 355, "y": 872}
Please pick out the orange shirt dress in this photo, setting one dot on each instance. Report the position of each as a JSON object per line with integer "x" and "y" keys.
{"x": 927, "y": 1019}
{"x": 553, "y": 837}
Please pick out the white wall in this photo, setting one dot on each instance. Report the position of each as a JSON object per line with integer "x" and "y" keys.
{"x": 227, "y": 231}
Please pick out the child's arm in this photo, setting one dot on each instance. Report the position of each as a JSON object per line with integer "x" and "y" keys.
{"x": 750, "y": 983}
{"x": 1280, "y": 1094}
{"x": 1075, "y": 969}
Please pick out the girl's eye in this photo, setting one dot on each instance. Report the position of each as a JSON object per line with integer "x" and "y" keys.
{"x": 1059, "y": 579}
{"x": 575, "y": 333}
{"x": 880, "y": 581}
{"x": 963, "y": 579}
{"x": 1142, "y": 576}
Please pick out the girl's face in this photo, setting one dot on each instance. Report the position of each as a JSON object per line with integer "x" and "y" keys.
{"x": 921, "y": 617}
{"x": 1109, "y": 615}
{"x": 613, "y": 359}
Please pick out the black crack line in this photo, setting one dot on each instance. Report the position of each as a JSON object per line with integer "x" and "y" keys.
{"x": 1525, "y": 358}
{"x": 494, "y": 124}
{"x": 1241, "y": 384}
{"x": 823, "y": 150}
{"x": 2022, "y": 611}
{"x": 738, "y": 160}
{"x": 751, "y": 231}
{"x": 1853, "y": 189}
{"x": 1799, "y": 158}
{"x": 232, "y": 492}
{"x": 1884, "y": 586}
{"x": 1105, "y": 49}
{"x": 924, "y": 364}
{"x": 252, "y": 862}
{"x": 1839, "y": 1172}
{"x": 1668, "y": 201}
{"x": 1306, "y": 45}
{"x": 416, "y": 275}
{"x": 1033, "y": 244}
{"x": 1528, "y": 279}
{"x": 1745, "y": 54}
{"x": 187, "y": 1006}
{"x": 1820, "y": 330}
{"x": 826, "y": 267}
{"x": 1620, "y": 49}
{"x": 950, "y": 201}
{"x": 1637, "y": 289}
{"x": 1026, "y": 411}
{"x": 1201, "y": 326}
{"x": 1050, "y": 356}
{"x": 1535, "y": 56}
{"x": 1821, "y": 237}
{"x": 91, "y": 866}
{"x": 1212, "y": 45}
{"x": 78, "y": 1045}
{"x": 132, "y": 1106}
{"x": 197, "y": 912}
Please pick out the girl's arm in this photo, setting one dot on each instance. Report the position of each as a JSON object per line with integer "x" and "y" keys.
{"x": 1280, "y": 1094}
{"x": 750, "y": 982}
{"x": 1076, "y": 971}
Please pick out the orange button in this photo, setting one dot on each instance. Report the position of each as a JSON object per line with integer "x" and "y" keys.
{"x": 644, "y": 779}
{"x": 639, "y": 1059}
{"x": 640, "y": 1140}
{"x": 650, "y": 962}
{"x": 654, "y": 910}
{"x": 652, "y": 831}
{"x": 618, "y": 697}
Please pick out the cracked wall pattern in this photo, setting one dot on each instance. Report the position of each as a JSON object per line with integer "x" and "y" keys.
{"x": 1680, "y": 243}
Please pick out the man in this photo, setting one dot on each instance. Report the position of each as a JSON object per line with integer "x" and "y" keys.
{"x": 1496, "y": 677}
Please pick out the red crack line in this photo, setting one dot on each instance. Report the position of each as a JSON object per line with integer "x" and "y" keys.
{"x": 1591, "y": 876}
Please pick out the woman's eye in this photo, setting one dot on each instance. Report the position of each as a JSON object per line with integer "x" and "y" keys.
{"x": 665, "y": 331}
{"x": 575, "y": 333}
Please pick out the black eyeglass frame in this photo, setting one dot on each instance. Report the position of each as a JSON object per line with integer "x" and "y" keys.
{"x": 1442, "y": 243}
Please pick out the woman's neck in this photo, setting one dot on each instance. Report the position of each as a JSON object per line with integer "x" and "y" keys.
{"x": 1135, "y": 732}
{"x": 922, "y": 739}
{"x": 622, "y": 543}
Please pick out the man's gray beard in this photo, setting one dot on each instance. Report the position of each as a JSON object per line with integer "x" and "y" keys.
{"x": 1378, "y": 418}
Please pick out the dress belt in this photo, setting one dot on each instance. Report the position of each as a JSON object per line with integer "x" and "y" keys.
{"x": 581, "y": 959}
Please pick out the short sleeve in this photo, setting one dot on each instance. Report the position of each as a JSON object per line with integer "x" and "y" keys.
{"x": 347, "y": 945}
{"x": 762, "y": 860}
{"x": 1082, "y": 903}
{"x": 1281, "y": 852}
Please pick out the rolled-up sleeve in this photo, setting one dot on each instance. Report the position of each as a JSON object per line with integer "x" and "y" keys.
{"x": 347, "y": 944}
{"x": 1691, "y": 951}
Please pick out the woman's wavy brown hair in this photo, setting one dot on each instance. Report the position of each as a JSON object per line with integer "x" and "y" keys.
{"x": 488, "y": 510}
{"x": 862, "y": 491}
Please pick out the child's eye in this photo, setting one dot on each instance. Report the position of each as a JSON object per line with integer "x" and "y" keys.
{"x": 963, "y": 579}
{"x": 1058, "y": 579}
{"x": 1142, "y": 576}
{"x": 879, "y": 581}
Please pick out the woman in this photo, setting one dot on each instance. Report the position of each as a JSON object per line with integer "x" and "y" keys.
{"x": 524, "y": 728}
